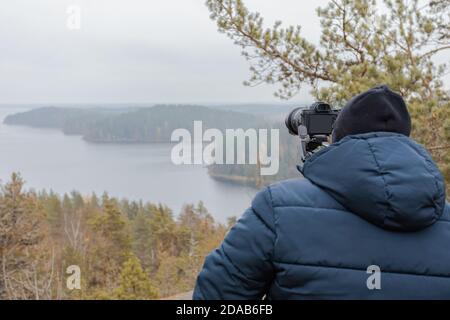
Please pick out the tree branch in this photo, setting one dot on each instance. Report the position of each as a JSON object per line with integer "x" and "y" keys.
{"x": 274, "y": 53}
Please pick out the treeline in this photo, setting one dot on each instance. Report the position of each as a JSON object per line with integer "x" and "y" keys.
{"x": 69, "y": 120}
{"x": 138, "y": 125}
{"x": 124, "y": 249}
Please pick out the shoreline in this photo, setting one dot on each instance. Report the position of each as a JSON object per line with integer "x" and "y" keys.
{"x": 234, "y": 179}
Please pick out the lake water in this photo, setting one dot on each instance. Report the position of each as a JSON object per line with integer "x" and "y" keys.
{"x": 48, "y": 159}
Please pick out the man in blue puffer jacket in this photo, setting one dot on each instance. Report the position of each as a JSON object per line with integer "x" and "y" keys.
{"x": 373, "y": 198}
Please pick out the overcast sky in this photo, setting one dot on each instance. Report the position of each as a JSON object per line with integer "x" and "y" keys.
{"x": 141, "y": 51}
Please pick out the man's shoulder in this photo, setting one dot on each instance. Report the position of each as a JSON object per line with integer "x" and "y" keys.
{"x": 294, "y": 193}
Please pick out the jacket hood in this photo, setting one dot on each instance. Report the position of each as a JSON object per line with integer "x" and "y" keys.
{"x": 385, "y": 178}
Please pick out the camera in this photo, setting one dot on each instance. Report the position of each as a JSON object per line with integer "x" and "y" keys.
{"x": 313, "y": 125}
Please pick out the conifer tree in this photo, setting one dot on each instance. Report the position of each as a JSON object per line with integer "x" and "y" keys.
{"x": 143, "y": 241}
{"x": 134, "y": 282}
{"x": 360, "y": 47}
{"x": 110, "y": 245}
{"x": 20, "y": 231}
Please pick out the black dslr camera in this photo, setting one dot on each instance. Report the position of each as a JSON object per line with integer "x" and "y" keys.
{"x": 313, "y": 125}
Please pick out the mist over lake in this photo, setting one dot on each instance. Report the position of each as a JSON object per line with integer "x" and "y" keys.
{"x": 48, "y": 159}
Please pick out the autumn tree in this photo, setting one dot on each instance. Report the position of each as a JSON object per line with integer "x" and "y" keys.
{"x": 143, "y": 241}
{"x": 21, "y": 232}
{"x": 360, "y": 46}
{"x": 163, "y": 229}
{"x": 54, "y": 213}
{"x": 134, "y": 282}
{"x": 109, "y": 247}
{"x": 197, "y": 235}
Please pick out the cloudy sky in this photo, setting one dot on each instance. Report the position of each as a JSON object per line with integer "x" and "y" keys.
{"x": 141, "y": 51}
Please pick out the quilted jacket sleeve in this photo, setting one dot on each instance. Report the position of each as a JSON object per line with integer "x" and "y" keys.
{"x": 241, "y": 268}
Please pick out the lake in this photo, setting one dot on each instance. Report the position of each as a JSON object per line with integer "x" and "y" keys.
{"x": 48, "y": 159}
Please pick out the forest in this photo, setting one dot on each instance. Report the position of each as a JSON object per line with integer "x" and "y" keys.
{"x": 124, "y": 249}
{"x": 130, "y": 125}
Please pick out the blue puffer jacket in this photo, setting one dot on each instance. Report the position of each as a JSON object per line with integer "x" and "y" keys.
{"x": 370, "y": 199}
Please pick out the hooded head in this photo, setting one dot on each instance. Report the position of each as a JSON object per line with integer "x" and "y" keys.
{"x": 378, "y": 109}
{"x": 374, "y": 170}
{"x": 385, "y": 178}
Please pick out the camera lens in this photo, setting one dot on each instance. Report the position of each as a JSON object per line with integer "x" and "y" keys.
{"x": 293, "y": 120}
